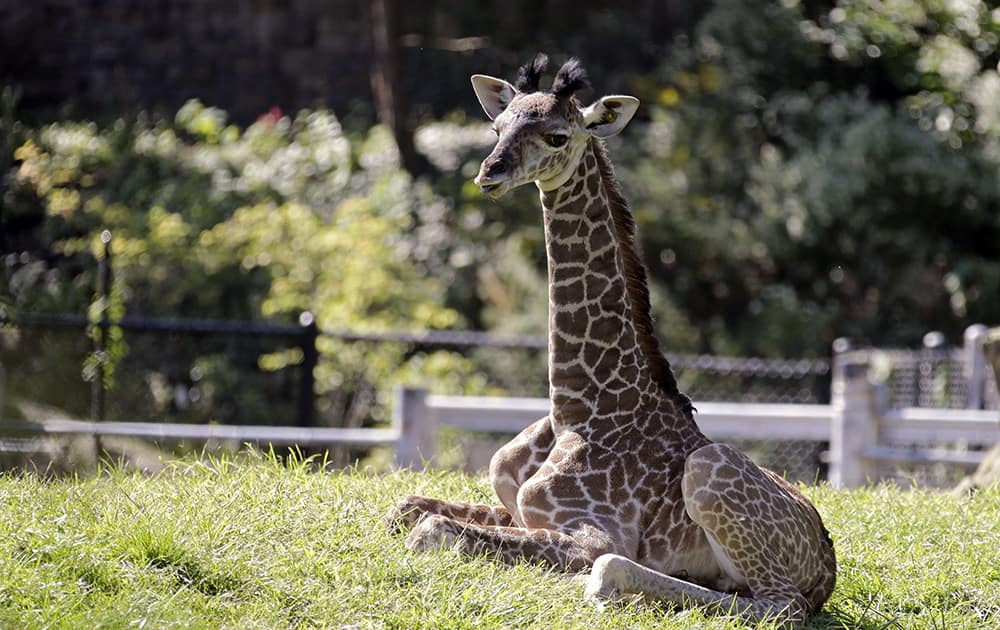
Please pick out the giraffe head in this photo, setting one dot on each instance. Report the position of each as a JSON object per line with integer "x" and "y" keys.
{"x": 541, "y": 134}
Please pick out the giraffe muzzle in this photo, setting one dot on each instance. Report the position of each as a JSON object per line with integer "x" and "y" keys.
{"x": 492, "y": 187}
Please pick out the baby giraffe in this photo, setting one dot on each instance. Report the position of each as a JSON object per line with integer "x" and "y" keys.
{"x": 618, "y": 477}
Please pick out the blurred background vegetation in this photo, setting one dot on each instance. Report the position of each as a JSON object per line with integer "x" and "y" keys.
{"x": 799, "y": 171}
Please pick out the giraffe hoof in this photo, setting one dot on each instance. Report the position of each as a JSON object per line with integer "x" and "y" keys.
{"x": 431, "y": 533}
{"x": 599, "y": 597}
{"x": 602, "y": 588}
{"x": 403, "y": 516}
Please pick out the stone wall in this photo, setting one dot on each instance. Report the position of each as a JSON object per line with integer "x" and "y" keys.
{"x": 242, "y": 55}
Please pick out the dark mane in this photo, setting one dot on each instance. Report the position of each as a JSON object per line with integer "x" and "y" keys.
{"x": 530, "y": 73}
{"x": 635, "y": 281}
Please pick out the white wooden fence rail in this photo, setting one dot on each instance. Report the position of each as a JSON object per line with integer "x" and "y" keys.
{"x": 237, "y": 434}
{"x": 860, "y": 435}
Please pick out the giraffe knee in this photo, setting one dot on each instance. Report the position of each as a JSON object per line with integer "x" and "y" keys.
{"x": 711, "y": 475}
{"x": 516, "y": 461}
{"x": 503, "y": 475}
{"x": 698, "y": 498}
{"x": 590, "y": 544}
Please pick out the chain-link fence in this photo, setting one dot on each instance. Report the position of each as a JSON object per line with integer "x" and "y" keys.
{"x": 212, "y": 371}
{"x": 149, "y": 370}
{"x": 704, "y": 378}
{"x": 149, "y": 373}
{"x": 714, "y": 378}
{"x": 753, "y": 380}
{"x": 938, "y": 378}
{"x": 216, "y": 371}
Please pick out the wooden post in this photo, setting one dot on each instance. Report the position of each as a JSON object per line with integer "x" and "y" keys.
{"x": 854, "y": 426}
{"x": 416, "y": 426}
{"x": 974, "y": 366}
{"x": 991, "y": 354}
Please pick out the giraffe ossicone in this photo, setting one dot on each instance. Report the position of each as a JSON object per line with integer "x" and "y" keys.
{"x": 618, "y": 478}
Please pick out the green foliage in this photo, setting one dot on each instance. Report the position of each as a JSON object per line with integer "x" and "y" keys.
{"x": 256, "y": 542}
{"x": 210, "y": 220}
{"x": 808, "y": 177}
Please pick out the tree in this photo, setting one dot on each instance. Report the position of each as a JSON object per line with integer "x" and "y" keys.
{"x": 808, "y": 178}
{"x": 387, "y": 89}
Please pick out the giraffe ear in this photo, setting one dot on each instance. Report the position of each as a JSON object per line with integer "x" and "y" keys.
{"x": 609, "y": 115}
{"x": 494, "y": 94}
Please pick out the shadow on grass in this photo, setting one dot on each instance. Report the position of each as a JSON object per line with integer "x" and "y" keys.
{"x": 863, "y": 617}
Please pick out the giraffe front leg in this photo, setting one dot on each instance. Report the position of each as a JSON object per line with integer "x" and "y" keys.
{"x": 408, "y": 512}
{"x": 510, "y": 467}
{"x": 516, "y": 461}
{"x": 763, "y": 533}
{"x": 571, "y": 552}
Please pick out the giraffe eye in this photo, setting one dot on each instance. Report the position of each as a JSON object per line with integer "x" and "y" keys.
{"x": 556, "y": 140}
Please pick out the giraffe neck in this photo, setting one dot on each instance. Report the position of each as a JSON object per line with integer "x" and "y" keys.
{"x": 599, "y": 358}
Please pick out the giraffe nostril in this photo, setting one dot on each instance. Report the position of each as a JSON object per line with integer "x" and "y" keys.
{"x": 496, "y": 168}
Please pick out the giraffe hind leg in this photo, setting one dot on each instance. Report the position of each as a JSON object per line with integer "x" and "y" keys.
{"x": 760, "y": 531}
{"x": 615, "y": 576}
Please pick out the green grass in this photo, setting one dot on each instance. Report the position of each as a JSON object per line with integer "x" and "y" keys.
{"x": 253, "y": 543}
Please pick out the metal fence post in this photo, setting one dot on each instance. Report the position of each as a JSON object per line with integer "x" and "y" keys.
{"x": 104, "y": 279}
{"x": 974, "y": 365}
{"x": 416, "y": 426}
{"x": 307, "y": 382}
{"x": 854, "y": 426}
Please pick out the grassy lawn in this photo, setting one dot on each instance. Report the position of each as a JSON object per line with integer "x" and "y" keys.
{"x": 253, "y": 543}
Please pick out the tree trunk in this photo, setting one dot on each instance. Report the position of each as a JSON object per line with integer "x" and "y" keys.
{"x": 384, "y": 75}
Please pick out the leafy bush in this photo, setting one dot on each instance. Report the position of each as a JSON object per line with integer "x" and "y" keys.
{"x": 213, "y": 221}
